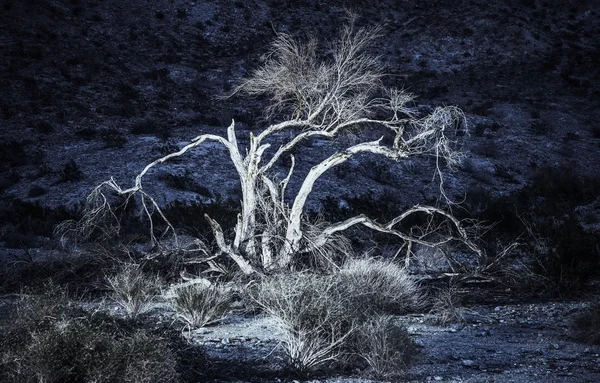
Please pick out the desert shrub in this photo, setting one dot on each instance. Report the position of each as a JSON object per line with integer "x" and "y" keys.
{"x": 379, "y": 286}
{"x": 587, "y": 324}
{"x": 83, "y": 273}
{"x": 48, "y": 338}
{"x": 385, "y": 346}
{"x": 70, "y": 172}
{"x": 86, "y": 133}
{"x": 569, "y": 256}
{"x": 319, "y": 315}
{"x": 384, "y": 207}
{"x": 488, "y": 149}
{"x": 185, "y": 182}
{"x": 112, "y": 138}
{"x": 447, "y": 305}
{"x": 13, "y": 153}
{"x": 152, "y": 127}
{"x": 199, "y": 304}
{"x": 134, "y": 290}
{"x": 482, "y": 109}
{"x": 564, "y": 254}
{"x": 314, "y": 316}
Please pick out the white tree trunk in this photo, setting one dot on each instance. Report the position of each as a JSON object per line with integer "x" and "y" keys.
{"x": 294, "y": 231}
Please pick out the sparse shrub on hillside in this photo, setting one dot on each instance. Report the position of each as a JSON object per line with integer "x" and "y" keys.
{"x": 185, "y": 182}
{"x": 152, "y": 127}
{"x": 488, "y": 149}
{"x": 482, "y": 109}
{"x": 481, "y": 128}
{"x": 34, "y": 218}
{"x": 13, "y": 153}
{"x": 569, "y": 256}
{"x": 185, "y": 215}
{"x": 86, "y": 133}
{"x": 112, "y": 138}
{"x": 199, "y": 304}
{"x": 565, "y": 255}
{"x": 571, "y": 136}
{"x": 70, "y": 172}
{"x": 134, "y": 290}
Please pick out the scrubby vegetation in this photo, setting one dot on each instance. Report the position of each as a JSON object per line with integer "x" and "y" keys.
{"x": 134, "y": 290}
{"x": 48, "y": 338}
{"x": 326, "y": 318}
{"x": 200, "y": 304}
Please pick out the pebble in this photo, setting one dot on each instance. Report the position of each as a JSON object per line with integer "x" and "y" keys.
{"x": 468, "y": 363}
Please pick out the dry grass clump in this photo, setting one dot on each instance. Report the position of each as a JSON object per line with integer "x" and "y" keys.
{"x": 134, "y": 290}
{"x": 380, "y": 286}
{"x": 199, "y": 304}
{"x": 47, "y": 338}
{"x": 385, "y": 346}
{"x": 587, "y": 324}
{"x": 322, "y": 317}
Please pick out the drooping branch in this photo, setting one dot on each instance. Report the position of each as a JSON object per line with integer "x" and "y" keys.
{"x": 98, "y": 208}
{"x": 441, "y": 238}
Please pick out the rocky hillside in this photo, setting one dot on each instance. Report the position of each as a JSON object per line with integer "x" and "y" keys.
{"x": 92, "y": 89}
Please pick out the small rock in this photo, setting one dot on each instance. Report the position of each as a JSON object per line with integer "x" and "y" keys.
{"x": 468, "y": 363}
{"x": 437, "y": 378}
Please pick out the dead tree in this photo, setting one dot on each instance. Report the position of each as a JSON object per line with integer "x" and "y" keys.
{"x": 322, "y": 98}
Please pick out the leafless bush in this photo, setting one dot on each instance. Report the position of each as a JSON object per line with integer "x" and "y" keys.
{"x": 199, "y": 304}
{"x": 133, "y": 290}
{"x": 379, "y": 286}
{"x": 447, "y": 306}
{"x": 313, "y": 315}
{"x": 319, "y": 314}
{"x": 385, "y": 346}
